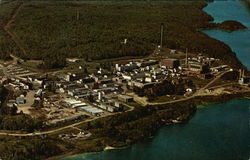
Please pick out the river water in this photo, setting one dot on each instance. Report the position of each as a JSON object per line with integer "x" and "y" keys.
{"x": 217, "y": 131}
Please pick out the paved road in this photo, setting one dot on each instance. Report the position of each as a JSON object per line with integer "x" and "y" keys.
{"x": 223, "y": 85}
{"x": 194, "y": 95}
{"x": 88, "y": 120}
{"x": 9, "y": 133}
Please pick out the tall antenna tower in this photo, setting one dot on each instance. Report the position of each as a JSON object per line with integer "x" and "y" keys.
{"x": 162, "y": 31}
{"x": 77, "y": 35}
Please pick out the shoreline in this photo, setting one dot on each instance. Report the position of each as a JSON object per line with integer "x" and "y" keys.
{"x": 197, "y": 100}
{"x": 205, "y": 101}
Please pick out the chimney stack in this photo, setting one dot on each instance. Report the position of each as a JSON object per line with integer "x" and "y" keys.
{"x": 77, "y": 14}
{"x": 162, "y": 31}
{"x": 240, "y": 73}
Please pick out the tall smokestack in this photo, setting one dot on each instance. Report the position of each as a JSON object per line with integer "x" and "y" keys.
{"x": 162, "y": 31}
{"x": 240, "y": 73}
{"x": 77, "y": 14}
{"x": 243, "y": 73}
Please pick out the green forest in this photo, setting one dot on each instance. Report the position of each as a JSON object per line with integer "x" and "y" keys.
{"x": 53, "y": 30}
{"x": 7, "y": 46}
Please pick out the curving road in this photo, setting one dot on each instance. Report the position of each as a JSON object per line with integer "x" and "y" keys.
{"x": 8, "y": 133}
{"x": 197, "y": 93}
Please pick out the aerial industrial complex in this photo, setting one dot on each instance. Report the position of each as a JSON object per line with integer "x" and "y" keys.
{"x": 79, "y": 77}
{"x": 74, "y": 95}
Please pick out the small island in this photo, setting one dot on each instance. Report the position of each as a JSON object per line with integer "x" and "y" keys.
{"x": 79, "y": 77}
{"x": 228, "y": 26}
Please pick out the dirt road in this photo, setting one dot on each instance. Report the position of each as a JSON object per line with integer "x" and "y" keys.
{"x": 8, "y": 25}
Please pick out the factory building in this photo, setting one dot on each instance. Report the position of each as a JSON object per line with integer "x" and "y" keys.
{"x": 126, "y": 68}
{"x": 170, "y": 63}
{"x": 83, "y": 106}
{"x": 73, "y": 76}
{"x": 198, "y": 68}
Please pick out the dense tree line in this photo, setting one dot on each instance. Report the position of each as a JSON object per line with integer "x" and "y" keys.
{"x": 4, "y": 96}
{"x": 29, "y": 148}
{"x": 48, "y": 28}
{"x": 141, "y": 123}
{"x": 118, "y": 130}
{"x": 20, "y": 121}
{"x": 4, "y": 93}
{"x": 7, "y": 46}
{"x": 53, "y": 61}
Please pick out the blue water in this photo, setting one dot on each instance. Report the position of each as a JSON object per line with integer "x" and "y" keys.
{"x": 239, "y": 41}
{"x": 217, "y": 131}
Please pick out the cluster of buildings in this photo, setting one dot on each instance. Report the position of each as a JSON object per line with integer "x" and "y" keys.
{"x": 203, "y": 67}
{"x": 95, "y": 90}
{"x": 148, "y": 72}
{"x": 142, "y": 74}
{"x": 82, "y": 106}
{"x": 18, "y": 71}
{"x": 97, "y": 107}
{"x": 105, "y": 92}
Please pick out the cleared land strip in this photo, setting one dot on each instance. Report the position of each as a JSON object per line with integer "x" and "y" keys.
{"x": 8, "y": 25}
